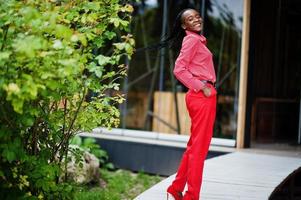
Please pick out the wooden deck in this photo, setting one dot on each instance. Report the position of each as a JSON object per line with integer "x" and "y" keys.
{"x": 237, "y": 176}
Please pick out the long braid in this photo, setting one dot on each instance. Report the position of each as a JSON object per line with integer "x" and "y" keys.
{"x": 177, "y": 34}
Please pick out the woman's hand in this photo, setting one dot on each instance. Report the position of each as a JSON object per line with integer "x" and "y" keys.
{"x": 207, "y": 91}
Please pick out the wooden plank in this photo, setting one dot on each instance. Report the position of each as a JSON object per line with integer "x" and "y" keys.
{"x": 184, "y": 115}
{"x": 243, "y": 77}
{"x": 164, "y": 107}
{"x": 236, "y": 176}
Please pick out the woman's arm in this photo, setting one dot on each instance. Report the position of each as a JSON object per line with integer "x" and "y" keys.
{"x": 188, "y": 51}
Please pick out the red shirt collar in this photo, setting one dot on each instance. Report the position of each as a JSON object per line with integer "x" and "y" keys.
{"x": 201, "y": 37}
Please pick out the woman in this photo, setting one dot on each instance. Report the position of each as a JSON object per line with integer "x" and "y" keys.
{"x": 194, "y": 68}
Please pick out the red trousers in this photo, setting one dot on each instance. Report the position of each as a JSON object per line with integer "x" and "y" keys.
{"x": 202, "y": 111}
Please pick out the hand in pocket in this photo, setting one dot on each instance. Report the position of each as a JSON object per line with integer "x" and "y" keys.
{"x": 207, "y": 91}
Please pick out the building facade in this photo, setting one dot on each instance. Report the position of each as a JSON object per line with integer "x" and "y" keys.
{"x": 256, "y": 47}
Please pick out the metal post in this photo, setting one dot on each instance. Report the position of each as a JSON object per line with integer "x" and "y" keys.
{"x": 220, "y": 57}
{"x": 299, "y": 136}
{"x": 162, "y": 54}
{"x": 145, "y": 43}
{"x": 150, "y": 94}
{"x": 203, "y": 14}
{"x": 125, "y": 90}
{"x": 174, "y": 90}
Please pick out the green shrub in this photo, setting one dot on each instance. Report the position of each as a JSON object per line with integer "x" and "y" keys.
{"x": 90, "y": 145}
{"x": 60, "y": 62}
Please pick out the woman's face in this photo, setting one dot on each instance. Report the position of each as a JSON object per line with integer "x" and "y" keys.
{"x": 192, "y": 21}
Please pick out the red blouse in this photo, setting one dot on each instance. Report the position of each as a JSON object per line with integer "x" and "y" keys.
{"x": 195, "y": 62}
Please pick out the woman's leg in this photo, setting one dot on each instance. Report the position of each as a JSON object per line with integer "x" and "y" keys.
{"x": 180, "y": 181}
{"x": 202, "y": 112}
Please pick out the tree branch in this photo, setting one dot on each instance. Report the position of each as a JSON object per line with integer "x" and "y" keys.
{"x": 4, "y": 36}
{"x": 68, "y": 135}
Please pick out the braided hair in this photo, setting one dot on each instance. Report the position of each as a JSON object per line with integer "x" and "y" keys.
{"x": 175, "y": 37}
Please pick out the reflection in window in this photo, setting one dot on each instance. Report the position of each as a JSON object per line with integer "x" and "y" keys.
{"x": 222, "y": 28}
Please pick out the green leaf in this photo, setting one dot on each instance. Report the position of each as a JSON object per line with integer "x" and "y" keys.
{"x": 62, "y": 31}
{"x": 18, "y": 105}
{"x": 129, "y": 49}
{"x": 127, "y": 8}
{"x": 4, "y": 55}
{"x": 115, "y": 21}
{"x": 124, "y": 22}
{"x": 103, "y": 60}
{"x": 83, "y": 39}
{"x": 29, "y": 13}
{"x": 88, "y": 141}
{"x": 28, "y": 121}
{"x": 120, "y": 46}
{"x": 28, "y": 45}
{"x": 76, "y": 140}
{"x": 98, "y": 70}
{"x": 9, "y": 155}
{"x": 52, "y": 84}
{"x": 110, "y": 35}
{"x": 109, "y": 166}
